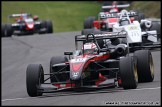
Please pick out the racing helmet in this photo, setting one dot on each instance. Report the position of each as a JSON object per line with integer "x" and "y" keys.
{"x": 90, "y": 48}
{"x": 113, "y": 10}
{"x": 124, "y": 21}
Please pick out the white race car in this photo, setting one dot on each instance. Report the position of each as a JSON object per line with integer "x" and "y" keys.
{"x": 139, "y": 35}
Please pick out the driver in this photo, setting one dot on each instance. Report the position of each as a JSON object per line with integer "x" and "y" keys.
{"x": 124, "y": 21}
{"x": 114, "y": 10}
{"x": 90, "y": 48}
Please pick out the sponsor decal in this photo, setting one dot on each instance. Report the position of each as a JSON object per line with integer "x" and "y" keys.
{"x": 78, "y": 60}
{"x": 75, "y": 74}
{"x": 132, "y": 28}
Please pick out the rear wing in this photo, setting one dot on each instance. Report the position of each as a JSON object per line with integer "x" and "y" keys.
{"x": 109, "y": 35}
{"x": 18, "y": 15}
{"x": 103, "y": 15}
{"x": 116, "y": 6}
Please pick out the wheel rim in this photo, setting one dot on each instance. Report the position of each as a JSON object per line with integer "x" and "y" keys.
{"x": 135, "y": 72}
{"x": 151, "y": 66}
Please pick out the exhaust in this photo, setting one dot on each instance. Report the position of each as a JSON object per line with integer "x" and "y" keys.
{"x": 145, "y": 24}
{"x": 121, "y": 49}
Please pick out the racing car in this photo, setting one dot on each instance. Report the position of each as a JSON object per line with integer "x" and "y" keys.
{"x": 26, "y": 24}
{"x": 143, "y": 35}
{"x": 105, "y": 19}
{"x": 114, "y": 8}
{"x": 92, "y": 67}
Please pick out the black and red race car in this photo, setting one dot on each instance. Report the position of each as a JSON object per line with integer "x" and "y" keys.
{"x": 26, "y": 24}
{"x": 92, "y": 67}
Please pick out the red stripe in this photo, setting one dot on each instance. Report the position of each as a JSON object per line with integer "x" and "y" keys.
{"x": 76, "y": 66}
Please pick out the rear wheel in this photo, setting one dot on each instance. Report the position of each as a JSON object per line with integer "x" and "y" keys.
{"x": 9, "y": 30}
{"x": 139, "y": 16}
{"x": 56, "y": 60}
{"x": 145, "y": 65}
{"x": 156, "y": 26}
{"x": 3, "y": 30}
{"x": 42, "y": 26}
{"x": 115, "y": 41}
{"x": 34, "y": 78}
{"x": 49, "y": 26}
{"x": 88, "y": 23}
{"x": 87, "y": 31}
{"x": 128, "y": 72}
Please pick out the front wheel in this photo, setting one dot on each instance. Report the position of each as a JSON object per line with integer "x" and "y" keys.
{"x": 56, "y": 60}
{"x": 34, "y": 78}
{"x": 128, "y": 72}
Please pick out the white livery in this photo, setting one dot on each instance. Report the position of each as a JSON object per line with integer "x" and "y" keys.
{"x": 134, "y": 31}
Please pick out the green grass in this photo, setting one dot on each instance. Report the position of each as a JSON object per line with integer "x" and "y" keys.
{"x": 66, "y": 15}
{"x": 149, "y": 8}
{"x": 70, "y": 15}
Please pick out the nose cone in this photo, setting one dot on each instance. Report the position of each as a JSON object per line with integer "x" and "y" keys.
{"x": 77, "y": 66}
{"x": 30, "y": 26}
{"x": 76, "y": 70}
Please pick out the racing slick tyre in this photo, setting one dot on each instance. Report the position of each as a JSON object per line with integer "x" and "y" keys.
{"x": 56, "y": 60}
{"x": 87, "y": 31}
{"x": 49, "y": 26}
{"x": 42, "y": 26}
{"x": 88, "y": 23}
{"x": 128, "y": 72}
{"x": 30, "y": 33}
{"x": 145, "y": 65}
{"x": 94, "y": 31}
{"x": 139, "y": 16}
{"x": 156, "y": 26}
{"x": 9, "y": 30}
{"x": 34, "y": 78}
{"x": 115, "y": 41}
{"x": 3, "y": 30}
{"x": 135, "y": 17}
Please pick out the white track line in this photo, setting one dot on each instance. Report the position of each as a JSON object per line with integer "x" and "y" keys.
{"x": 15, "y": 99}
{"x": 147, "y": 88}
{"x": 37, "y": 97}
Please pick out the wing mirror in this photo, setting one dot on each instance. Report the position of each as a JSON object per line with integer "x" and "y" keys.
{"x": 68, "y": 53}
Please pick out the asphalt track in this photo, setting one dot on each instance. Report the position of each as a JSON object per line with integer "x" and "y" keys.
{"x": 18, "y": 52}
